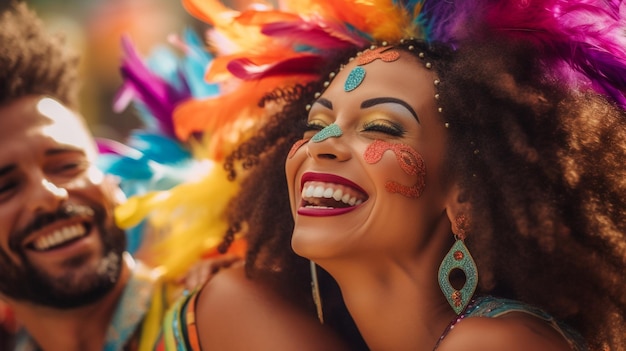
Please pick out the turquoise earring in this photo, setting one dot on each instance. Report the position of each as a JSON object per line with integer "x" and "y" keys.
{"x": 459, "y": 258}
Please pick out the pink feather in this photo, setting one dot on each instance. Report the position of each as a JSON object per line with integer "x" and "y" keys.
{"x": 584, "y": 41}
{"x": 318, "y": 33}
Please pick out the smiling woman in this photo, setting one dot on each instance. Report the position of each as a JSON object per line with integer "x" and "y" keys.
{"x": 462, "y": 190}
{"x": 381, "y": 148}
{"x": 378, "y": 197}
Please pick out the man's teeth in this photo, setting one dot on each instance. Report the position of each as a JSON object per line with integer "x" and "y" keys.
{"x": 59, "y": 236}
{"x": 327, "y": 192}
{"x": 81, "y": 210}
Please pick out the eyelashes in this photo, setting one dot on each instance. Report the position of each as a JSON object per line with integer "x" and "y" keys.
{"x": 315, "y": 126}
{"x": 378, "y": 126}
{"x": 384, "y": 126}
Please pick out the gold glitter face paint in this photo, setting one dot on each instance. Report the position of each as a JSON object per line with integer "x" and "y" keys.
{"x": 409, "y": 160}
{"x": 296, "y": 146}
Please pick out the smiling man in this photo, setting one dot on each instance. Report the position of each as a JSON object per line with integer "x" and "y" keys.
{"x": 56, "y": 208}
{"x": 64, "y": 271}
{"x": 60, "y": 251}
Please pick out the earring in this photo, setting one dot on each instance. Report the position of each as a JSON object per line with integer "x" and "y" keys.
{"x": 315, "y": 287}
{"x": 459, "y": 258}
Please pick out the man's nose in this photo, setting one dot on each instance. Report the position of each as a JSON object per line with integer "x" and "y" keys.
{"x": 46, "y": 196}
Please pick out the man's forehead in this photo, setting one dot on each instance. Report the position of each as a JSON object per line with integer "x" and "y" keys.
{"x": 46, "y": 117}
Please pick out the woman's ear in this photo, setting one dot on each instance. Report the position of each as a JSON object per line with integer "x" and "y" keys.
{"x": 457, "y": 208}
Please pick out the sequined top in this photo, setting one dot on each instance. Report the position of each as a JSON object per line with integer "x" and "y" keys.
{"x": 493, "y": 307}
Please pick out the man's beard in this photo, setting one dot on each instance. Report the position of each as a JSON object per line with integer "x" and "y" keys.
{"x": 27, "y": 282}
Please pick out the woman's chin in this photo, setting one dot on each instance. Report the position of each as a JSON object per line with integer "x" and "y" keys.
{"x": 313, "y": 246}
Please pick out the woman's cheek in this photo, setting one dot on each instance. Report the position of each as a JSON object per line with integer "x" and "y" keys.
{"x": 296, "y": 146}
{"x": 292, "y": 164}
{"x": 407, "y": 159}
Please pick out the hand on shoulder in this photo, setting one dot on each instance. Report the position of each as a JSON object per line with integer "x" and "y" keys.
{"x": 514, "y": 332}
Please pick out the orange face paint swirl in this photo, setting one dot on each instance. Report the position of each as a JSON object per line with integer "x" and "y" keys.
{"x": 296, "y": 146}
{"x": 382, "y": 53}
{"x": 409, "y": 160}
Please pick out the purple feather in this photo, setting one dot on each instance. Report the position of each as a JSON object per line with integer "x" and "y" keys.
{"x": 153, "y": 91}
{"x": 112, "y": 147}
{"x": 587, "y": 35}
{"x": 581, "y": 42}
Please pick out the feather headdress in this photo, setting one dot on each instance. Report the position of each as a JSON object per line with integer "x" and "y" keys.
{"x": 263, "y": 47}
{"x": 581, "y": 41}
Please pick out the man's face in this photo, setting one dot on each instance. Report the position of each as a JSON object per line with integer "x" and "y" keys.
{"x": 59, "y": 246}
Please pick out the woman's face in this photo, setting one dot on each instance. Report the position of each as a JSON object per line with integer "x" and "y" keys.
{"x": 366, "y": 178}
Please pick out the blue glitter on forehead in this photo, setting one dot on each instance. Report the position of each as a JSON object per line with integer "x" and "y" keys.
{"x": 329, "y": 131}
{"x": 355, "y": 78}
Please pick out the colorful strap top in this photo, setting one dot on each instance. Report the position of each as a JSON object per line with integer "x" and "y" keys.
{"x": 179, "y": 331}
{"x": 493, "y": 307}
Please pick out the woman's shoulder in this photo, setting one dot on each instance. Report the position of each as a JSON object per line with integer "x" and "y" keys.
{"x": 512, "y": 333}
{"x": 234, "y": 312}
{"x": 501, "y": 324}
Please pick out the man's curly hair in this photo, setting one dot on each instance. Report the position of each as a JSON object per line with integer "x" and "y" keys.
{"x": 542, "y": 166}
{"x": 34, "y": 62}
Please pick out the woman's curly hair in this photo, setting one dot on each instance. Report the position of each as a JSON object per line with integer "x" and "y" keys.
{"x": 542, "y": 166}
{"x": 543, "y": 169}
{"x": 33, "y": 61}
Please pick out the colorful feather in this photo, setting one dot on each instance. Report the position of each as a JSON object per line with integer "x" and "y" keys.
{"x": 152, "y": 90}
{"x": 582, "y": 41}
{"x": 152, "y": 159}
{"x": 263, "y": 47}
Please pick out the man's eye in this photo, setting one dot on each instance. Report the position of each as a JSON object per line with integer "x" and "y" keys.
{"x": 6, "y": 187}
{"x": 71, "y": 167}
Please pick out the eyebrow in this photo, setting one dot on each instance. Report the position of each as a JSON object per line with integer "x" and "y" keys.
{"x": 386, "y": 100}
{"x": 64, "y": 150}
{"x": 325, "y": 102}
{"x": 51, "y": 152}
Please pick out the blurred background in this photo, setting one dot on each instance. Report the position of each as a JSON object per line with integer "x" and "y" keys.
{"x": 94, "y": 29}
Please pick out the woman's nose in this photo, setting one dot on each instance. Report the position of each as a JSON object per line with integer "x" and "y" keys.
{"x": 329, "y": 144}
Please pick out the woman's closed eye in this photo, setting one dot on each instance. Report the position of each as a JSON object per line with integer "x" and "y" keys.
{"x": 386, "y": 127}
{"x": 315, "y": 126}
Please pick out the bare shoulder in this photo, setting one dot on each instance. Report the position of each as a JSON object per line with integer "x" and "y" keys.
{"x": 236, "y": 313}
{"x": 515, "y": 332}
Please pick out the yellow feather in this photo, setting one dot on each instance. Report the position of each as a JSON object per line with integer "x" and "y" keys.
{"x": 184, "y": 222}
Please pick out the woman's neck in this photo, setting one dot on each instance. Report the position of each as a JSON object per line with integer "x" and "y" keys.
{"x": 395, "y": 308}
{"x": 395, "y": 299}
